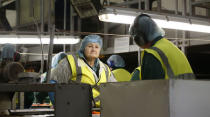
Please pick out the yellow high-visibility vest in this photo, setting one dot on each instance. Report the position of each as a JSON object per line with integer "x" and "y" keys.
{"x": 82, "y": 73}
{"x": 139, "y": 68}
{"x": 121, "y": 75}
{"x": 172, "y": 59}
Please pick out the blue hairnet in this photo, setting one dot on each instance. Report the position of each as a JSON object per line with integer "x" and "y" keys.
{"x": 89, "y": 39}
{"x": 8, "y": 51}
{"x": 57, "y": 58}
{"x": 115, "y": 61}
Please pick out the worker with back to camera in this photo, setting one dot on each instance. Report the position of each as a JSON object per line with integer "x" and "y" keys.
{"x": 87, "y": 66}
{"x": 160, "y": 59}
{"x": 117, "y": 64}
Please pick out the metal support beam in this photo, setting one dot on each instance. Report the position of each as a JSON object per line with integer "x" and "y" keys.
{"x": 41, "y": 33}
{"x": 105, "y": 45}
{"x": 184, "y": 2}
{"x": 200, "y": 2}
{"x": 71, "y": 23}
{"x": 51, "y": 28}
{"x": 64, "y": 23}
{"x": 159, "y": 5}
{"x": 17, "y": 5}
{"x": 190, "y": 7}
{"x": 176, "y": 40}
{"x": 208, "y": 13}
{"x": 176, "y": 31}
{"x": 52, "y": 33}
{"x": 146, "y": 3}
{"x": 176, "y": 7}
{"x": 126, "y": 3}
{"x": 71, "y": 19}
{"x": 49, "y": 15}
{"x": 64, "y": 15}
{"x": 3, "y": 19}
{"x": 31, "y": 12}
{"x": 139, "y": 5}
{"x": 183, "y": 32}
{"x": 79, "y": 24}
{"x": 4, "y": 3}
{"x": 42, "y": 15}
{"x": 27, "y": 87}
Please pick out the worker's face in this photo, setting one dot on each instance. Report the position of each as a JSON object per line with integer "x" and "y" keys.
{"x": 92, "y": 51}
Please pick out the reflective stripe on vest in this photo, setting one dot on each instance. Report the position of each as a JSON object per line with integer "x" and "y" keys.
{"x": 165, "y": 61}
{"x": 168, "y": 67}
{"x": 82, "y": 73}
{"x": 181, "y": 67}
{"x": 139, "y": 68}
{"x": 76, "y": 70}
{"x": 107, "y": 72}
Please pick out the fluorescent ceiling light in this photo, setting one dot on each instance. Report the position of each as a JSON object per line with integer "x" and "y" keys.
{"x": 116, "y": 18}
{"x": 183, "y": 26}
{"x": 32, "y": 39}
{"x": 128, "y": 19}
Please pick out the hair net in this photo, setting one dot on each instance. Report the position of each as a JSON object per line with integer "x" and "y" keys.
{"x": 115, "y": 61}
{"x": 8, "y": 51}
{"x": 89, "y": 39}
{"x": 57, "y": 58}
{"x": 146, "y": 28}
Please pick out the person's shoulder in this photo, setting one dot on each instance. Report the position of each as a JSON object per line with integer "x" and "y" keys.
{"x": 148, "y": 58}
{"x": 147, "y": 54}
{"x": 122, "y": 70}
{"x": 63, "y": 61}
{"x": 102, "y": 64}
{"x": 71, "y": 55}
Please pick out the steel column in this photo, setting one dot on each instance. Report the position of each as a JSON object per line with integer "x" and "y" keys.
{"x": 183, "y": 32}
{"x": 71, "y": 23}
{"x": 146, "y": 3}
{"x": 105, "y": 40}
{"x": 42, "y": 15}
{"x": 52, "y": 33}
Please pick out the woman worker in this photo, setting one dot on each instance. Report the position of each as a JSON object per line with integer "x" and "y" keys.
{"x": 84, "y": 67}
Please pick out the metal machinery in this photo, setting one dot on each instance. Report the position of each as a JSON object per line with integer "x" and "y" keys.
{"x": 156, "y": 98}
{"x": 72, "y": 100}
{"x": 149, "y": 98}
